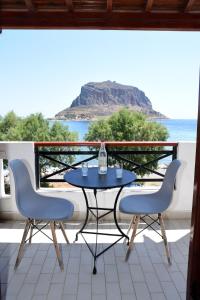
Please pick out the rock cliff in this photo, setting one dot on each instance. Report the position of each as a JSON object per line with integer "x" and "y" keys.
{"x": 103, "y": 98}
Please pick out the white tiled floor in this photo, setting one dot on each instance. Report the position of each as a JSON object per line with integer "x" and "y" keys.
{"x": 145, "y": 276}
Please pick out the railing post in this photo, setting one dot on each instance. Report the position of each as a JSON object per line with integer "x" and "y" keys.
{"x": 2, "y": 188}
{"x": 174, "y": 155}
{"x": 107, "y": 153}
{"x": 37, "y": 167}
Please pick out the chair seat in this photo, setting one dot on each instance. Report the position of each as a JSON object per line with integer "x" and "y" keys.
{"x": 142, "y": 204}
{"x": 47, "y": 208}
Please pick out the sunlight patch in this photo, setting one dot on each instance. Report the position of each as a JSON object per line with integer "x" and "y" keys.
{"x": 15, "y": 235}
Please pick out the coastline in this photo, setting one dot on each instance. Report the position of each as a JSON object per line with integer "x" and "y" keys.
{"x": 96, "y": 119}
{"x": 71, "y": 120}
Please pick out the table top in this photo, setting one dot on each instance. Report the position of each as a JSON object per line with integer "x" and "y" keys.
{"x": 95, "y": 181}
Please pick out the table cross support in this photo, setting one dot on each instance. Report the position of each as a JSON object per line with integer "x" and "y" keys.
{"x": 89, "y": 209}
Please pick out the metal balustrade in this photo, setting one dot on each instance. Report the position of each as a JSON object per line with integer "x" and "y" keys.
{"x": 129, "y": 153}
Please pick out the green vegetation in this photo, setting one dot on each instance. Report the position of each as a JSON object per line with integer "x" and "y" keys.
{"x": 33, "y": 128}
{"x": 127, "y": 125}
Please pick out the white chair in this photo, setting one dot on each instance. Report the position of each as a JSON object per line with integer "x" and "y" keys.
{"x": 37, "y": 208}
{"x": 147, "y": 204}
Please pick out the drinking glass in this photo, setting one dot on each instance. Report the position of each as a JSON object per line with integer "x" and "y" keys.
{"x": 84, "y": 169}
{"x": 119, "y": 170}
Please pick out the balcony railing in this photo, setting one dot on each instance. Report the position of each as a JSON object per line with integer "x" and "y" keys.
{"x": 60, "y": 154}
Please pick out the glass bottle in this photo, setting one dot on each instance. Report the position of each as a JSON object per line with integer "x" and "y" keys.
{"x": 102, "y": 160}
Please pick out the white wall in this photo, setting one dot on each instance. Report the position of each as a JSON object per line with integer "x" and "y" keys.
{"x": 183, "y": 195}
{"x": 182, "y": 198}
{"x": 13, "y": 150}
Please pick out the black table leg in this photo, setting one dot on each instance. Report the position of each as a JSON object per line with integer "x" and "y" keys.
{"x": 86, "y": 217}
{"x": 97, "y": 230}
{"x": 115, "y": 216}
{"x": 95, "y": 182}
{"x": 97, "y": 217}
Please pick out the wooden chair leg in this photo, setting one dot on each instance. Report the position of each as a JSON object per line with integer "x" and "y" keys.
{"x": 31, "y": 231}
{"x": 131, "y": 225}
{"x": 58, "y": 253}
{"x": 21, "y": 247}
{"x": 136, "y": 222}
{"x": 162, "y": 226}
{"x": 62, "y": 227}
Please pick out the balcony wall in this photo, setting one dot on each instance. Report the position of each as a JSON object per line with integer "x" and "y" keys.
{"x": 182, "y": 198}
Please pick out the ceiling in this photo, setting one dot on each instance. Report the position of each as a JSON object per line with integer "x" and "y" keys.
{"x": 100, "y": 14}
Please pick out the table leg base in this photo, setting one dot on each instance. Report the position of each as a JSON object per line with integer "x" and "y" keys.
{"x": 76, "y": 238}
{"x": 94, "y": 270}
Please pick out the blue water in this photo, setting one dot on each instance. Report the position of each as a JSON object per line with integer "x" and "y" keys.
{"x": 79, "y": 126}
{"x": 179, "y": 130}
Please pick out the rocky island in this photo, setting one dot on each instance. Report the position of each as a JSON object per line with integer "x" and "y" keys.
{"x": 101, "y": 99}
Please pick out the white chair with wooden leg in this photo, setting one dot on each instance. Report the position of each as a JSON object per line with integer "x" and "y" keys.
{"x": 37, "y": 208}
{"x": 151, "y": 204}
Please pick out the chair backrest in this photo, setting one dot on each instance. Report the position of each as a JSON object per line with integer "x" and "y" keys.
{"x": 24, "y": 191}
{"x": 166, "y": 190}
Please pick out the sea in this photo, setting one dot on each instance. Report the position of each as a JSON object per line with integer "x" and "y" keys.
{"x": 178, "y": 129}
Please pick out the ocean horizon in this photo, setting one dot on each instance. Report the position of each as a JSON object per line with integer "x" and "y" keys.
{"x": 179, "y": 129}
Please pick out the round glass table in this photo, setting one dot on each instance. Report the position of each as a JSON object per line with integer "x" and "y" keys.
{"x": 96, "y": 182}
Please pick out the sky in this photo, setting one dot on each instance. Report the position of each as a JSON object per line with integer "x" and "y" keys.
{"x": 43, "y": 71}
